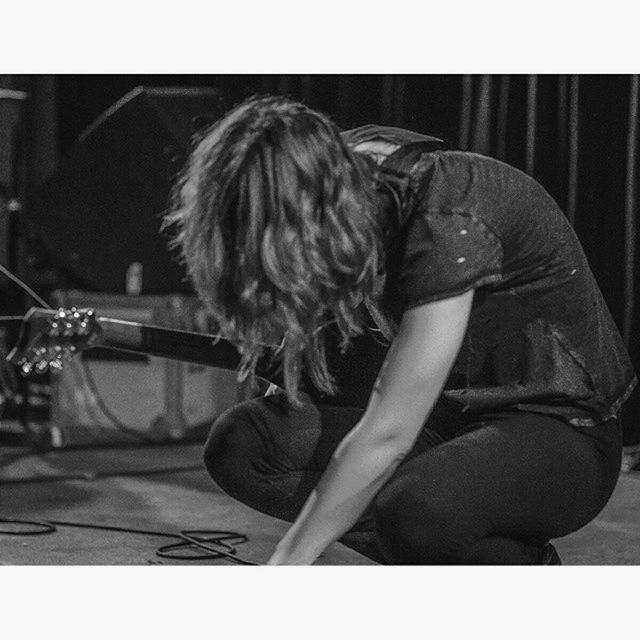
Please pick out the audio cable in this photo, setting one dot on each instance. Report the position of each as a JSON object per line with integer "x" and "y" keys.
{"x": 195, "y": 544}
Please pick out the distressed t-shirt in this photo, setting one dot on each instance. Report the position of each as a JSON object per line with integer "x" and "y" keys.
{"x": 540, "y": 337}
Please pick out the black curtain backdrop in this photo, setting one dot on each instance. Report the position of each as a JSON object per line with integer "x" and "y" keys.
{"x": 577, "y": 135}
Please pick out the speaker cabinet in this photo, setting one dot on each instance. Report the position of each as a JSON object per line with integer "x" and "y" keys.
{"x": 110, "y": 397}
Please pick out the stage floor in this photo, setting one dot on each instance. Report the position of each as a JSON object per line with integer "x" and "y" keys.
{"x": 167, "y": 490}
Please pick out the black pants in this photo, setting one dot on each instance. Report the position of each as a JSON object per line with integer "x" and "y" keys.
{"x": 490, "y": 489}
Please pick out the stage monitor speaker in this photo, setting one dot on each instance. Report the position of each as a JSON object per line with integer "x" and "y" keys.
{"x": 111, "y": 397}
{"x": 99, "y": 214}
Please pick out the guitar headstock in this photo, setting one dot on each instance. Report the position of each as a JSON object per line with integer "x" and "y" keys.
{"x": 49, "y": 337}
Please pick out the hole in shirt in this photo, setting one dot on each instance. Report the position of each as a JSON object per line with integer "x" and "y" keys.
{"x": 461, "y": 260}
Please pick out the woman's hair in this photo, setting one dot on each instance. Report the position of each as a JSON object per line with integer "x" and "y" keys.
{"x": 277, "y": 224}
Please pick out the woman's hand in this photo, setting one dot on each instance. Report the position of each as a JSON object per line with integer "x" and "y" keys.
{"x": 283, "y": 557}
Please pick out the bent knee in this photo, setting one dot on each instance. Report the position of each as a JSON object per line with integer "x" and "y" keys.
{"x": 416, "y": 526}
{"x": 232, "y": 445}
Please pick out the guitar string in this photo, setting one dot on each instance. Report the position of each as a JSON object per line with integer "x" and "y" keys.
{"x": 25, "y": 287}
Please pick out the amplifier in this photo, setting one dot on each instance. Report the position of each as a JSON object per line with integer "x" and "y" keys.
{"x": 110, "y": 397}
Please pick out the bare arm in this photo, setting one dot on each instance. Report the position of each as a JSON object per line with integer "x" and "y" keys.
{"x": 408, "y": 386}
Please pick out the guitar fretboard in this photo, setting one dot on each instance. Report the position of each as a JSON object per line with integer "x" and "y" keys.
{"x": 168, "y": 343}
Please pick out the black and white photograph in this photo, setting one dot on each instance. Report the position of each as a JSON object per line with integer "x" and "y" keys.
{"x": 361, "y": 319}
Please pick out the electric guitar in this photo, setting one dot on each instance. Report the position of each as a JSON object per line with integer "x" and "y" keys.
{"x": 48, "y": 338}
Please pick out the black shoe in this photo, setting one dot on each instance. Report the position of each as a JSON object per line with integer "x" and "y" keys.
{"x": 550, "y": 555}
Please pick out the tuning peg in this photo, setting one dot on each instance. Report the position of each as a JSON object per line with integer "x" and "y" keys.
{"x": 54, "y": 328}
{"x": 26, "y": 367}
{"x": 42, "y": 366}
{"x": 55, "y": 366}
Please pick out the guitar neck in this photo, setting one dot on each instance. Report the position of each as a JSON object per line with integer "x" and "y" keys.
{"x": 354, "y": 371}
{"x": 168, "y": 343}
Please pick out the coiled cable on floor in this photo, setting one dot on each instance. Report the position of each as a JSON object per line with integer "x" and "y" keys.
{"x": 210, "y": 544}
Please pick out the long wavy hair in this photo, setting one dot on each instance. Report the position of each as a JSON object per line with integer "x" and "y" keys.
{"x": 275, "y": 218}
